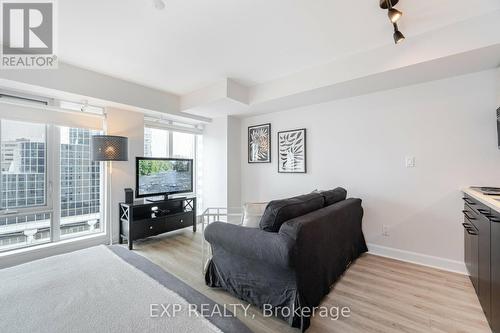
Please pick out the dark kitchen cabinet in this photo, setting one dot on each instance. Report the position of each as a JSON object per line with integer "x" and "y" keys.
{"x": 484, "y": 269}
{"x": 482, "y": 256}
{"x": 495, "y": 271}
{"x": 472, "y": 252}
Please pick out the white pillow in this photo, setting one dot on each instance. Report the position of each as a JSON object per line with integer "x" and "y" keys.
{"x": 252, "y": 212}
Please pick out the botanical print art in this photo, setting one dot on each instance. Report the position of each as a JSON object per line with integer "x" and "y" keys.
{"x": 292, "y": 151}
{"x": 259, "y": 144}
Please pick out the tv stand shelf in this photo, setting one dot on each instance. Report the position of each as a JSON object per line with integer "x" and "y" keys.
{"x": 137, "y": 220}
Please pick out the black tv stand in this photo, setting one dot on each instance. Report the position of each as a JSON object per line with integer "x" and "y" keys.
{"x": 142, "y": 219}
{"x": 157, "y": 200}
{"x": 165, "y": 198}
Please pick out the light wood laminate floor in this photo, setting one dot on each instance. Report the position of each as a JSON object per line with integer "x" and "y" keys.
{"x": 384, "y": 295}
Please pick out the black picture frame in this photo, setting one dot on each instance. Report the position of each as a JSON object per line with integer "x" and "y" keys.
{"x": 249, "y": 147}
{"x": 304, "y": 144}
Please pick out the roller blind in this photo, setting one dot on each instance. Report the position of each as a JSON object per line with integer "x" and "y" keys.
{"x": 172, "y": 126}
{"x": 50, "y": 115}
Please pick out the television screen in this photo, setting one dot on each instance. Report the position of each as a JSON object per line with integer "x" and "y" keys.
{"x": 160, "y": 176}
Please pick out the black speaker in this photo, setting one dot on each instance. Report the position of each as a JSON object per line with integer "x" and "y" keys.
{"x": 129, "y": 195}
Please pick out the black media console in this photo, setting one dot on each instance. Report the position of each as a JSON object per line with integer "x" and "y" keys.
{"x": 143, "y": 219}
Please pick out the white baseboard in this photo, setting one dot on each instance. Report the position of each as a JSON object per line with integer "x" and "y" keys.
{"x": 418, "y": 258}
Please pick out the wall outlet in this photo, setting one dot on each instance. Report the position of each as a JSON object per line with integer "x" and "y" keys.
{"x": 385, "y": 230}
{"x": 410, "y": 161}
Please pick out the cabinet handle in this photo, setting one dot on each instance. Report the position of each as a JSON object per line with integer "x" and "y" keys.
{"x": 151, "y": 228}
{"x": 492, "y": 219}
{"x": 467, "y": 215}
{"x": 470, "y": 229}
{"x": 483, "y": 211}
{"x": 471, "y": 232}
{"x": 467, "y": 200}
{"x": 182, "y": 221}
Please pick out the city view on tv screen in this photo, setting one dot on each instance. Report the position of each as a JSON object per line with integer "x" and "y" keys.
{"x": 163, "y": 176}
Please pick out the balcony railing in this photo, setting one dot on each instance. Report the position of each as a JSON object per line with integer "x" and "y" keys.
{"x": 26, "y": 229}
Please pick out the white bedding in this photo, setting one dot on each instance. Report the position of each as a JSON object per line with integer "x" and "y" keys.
{"x": 91, "y": 290}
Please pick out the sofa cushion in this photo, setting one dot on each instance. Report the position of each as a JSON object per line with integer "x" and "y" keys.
{"x": 279, "y": 211}
{"x": 252, "y": 213}
{"x": 334, "y": 196}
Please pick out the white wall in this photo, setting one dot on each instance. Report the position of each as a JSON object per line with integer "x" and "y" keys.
{"x": 129, "y": 124}
{"x": 221, "y": 163}
{"x": 498, "y": 86}
{"x": 215, "y": 163}
{"x": 361, "y": 144}
{"x": 233, "y": 162}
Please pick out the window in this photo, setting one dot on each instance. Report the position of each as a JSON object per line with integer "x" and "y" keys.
{"x": 31, "y": 183}
{"x": 165, "y": 143}
{"x": 170, "y": 143}
{"x": 23, "y": 170}
{"x": 183, "y": 145}
{"x": 23, "y": 184}
{"x": 156, "y": 142}
{"x": 80, "y": 184}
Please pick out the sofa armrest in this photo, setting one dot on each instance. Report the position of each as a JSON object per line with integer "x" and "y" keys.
{"x": 251, "y": 243}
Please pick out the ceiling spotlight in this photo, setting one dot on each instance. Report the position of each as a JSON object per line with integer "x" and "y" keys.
{"x": 386, "y": 4}
{"x": 159, "y": 4}
{"x": 394, "y": 15}
{"x": 398, "y": 35}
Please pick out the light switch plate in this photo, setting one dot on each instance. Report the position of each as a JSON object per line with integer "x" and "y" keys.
{"x": 410, "y": 162}
{"x": 385, "y": 230}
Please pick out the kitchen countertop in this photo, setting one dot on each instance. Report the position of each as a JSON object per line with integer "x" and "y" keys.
{"x": 492, "y": 201}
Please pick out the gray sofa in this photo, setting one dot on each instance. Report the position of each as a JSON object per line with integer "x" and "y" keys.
{"x": 304, "y": 244}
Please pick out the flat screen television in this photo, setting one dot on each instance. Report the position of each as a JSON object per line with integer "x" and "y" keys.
{"x": 163, "y": 176}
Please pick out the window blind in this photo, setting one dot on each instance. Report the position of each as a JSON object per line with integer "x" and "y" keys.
{"x": 50, "y": 115}
{"x": 166, "y": 125}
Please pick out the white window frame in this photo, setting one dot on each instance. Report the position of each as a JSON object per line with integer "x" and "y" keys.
{"x": 55, "y": 186}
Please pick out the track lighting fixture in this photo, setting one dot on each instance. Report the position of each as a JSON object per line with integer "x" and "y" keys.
{"x": 159, "y": 4}
{"x": 398, "y": 35}
{"x": 394, "y": 16}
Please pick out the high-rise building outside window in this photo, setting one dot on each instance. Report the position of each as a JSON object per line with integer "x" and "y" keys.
{"x": 29, "y": 188}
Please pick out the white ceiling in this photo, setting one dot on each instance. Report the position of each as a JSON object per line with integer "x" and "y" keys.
{"x": 194, "y": 43}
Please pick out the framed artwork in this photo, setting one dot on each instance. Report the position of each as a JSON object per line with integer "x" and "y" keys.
{"x": 292, "y": 151}
{"x": 259, "y": 144}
